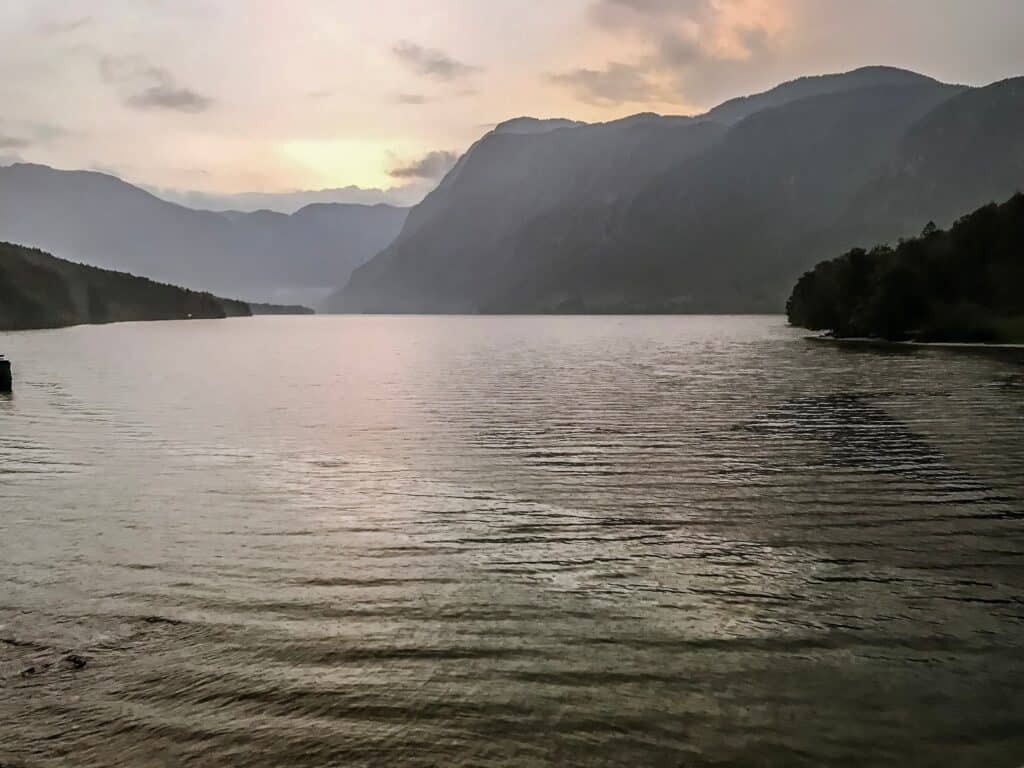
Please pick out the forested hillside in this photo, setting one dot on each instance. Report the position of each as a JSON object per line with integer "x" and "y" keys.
{"x": 961, "y": 285}
{"x": 38, "y": 290}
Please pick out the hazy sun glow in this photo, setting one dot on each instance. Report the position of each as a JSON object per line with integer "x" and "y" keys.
{"x": 335, "y": 162}
{"x": 260, "y": 95}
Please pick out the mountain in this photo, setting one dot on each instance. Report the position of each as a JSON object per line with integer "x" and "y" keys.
{"x": 38, "y": 290}
{"x": 280, "y": 309}
{"x": 962, "y": 285}
{"x": 715, "y": 213}
{"x": 99, "y": 219}
{"x": 460, "y": 243}
{"x": 964, "y": 154}
{"x": 723, "y": 232}
{"x": 734, "y": 110}
{"x": 532, "y": 125}
{"x": 290, "y": 202}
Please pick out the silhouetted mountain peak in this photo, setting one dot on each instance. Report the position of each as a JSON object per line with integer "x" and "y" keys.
{"x": 28, "y": 172}
{"x": 650, "y": 118}
{"x": 533, "y": 125}
{"x": 737, "y": 109}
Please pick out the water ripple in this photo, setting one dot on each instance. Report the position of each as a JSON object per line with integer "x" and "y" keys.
{"x": 507, "y": 541}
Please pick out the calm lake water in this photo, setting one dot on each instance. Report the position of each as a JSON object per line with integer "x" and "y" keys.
{"x": 382, "y": 541}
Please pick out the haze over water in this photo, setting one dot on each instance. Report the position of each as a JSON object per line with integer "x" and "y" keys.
{"x": 507, "y": 541}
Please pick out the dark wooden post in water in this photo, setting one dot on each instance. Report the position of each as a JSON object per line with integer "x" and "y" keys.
{"x": 5, "y": 375}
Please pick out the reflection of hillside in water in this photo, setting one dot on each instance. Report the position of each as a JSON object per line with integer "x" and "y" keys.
{"x": 865, "y": 481}
{"x": 858, "y": 434}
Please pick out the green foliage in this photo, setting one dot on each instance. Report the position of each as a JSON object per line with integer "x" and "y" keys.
{"x": 38, "y": 290}
{"x": 961, "y": 285}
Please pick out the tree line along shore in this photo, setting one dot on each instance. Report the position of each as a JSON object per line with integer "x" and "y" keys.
{"x": 964, "y": 285}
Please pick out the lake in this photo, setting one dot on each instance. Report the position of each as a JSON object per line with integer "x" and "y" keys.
{"x": 508, "y": 541}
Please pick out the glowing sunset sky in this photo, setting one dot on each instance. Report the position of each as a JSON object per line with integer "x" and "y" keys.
{"x": 268, "y": 95}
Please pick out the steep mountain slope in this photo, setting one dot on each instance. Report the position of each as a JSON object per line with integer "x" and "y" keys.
{"x": 716, "y": 235}
{"x": 649, "y": 213}
{"x": 458, "y": 244}
{"x": 967, "y": 153}
{"x": 101, "y": 220}
{"x": 38, "y": 290}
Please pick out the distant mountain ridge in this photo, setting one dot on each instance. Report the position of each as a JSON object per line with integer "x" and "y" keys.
{"x": 290, "y": 202}
{"x": 717, "y": 212}
{"x": 279, "y": 309}
{"x": 714, "y": 213}
{"x": 99, "y": 219}
{"x": 38, "y": 290}
{"x": 534, "y": 125}
{"x": 734, "y": 110}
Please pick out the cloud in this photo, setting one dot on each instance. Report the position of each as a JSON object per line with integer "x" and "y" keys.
{"x": 685, "y": 48}
{"x": 613, "y": 13}
{"x": 618, "y": 83}
{"x": 146, "y": 86}
{"x": 689, "y": 32}
{"x": 48, "y": 132}
{"x": 431, "y": 62}
{"x": 13, "y": 142}
{"x": 411, "y": 98}
{"x": 432, "y": 165}
{"x": 25, "y": 135}
{"x": 54, "y": 27}
{"x": 166, "y": 96}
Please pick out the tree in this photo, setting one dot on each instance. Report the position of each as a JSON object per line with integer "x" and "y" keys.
{"x": 960, "y": 285}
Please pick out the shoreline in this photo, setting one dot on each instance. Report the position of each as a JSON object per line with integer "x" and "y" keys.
{"x": 865, "y": 341}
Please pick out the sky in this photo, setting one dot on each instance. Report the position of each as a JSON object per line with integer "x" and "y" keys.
{"x": 232, "y": 96}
